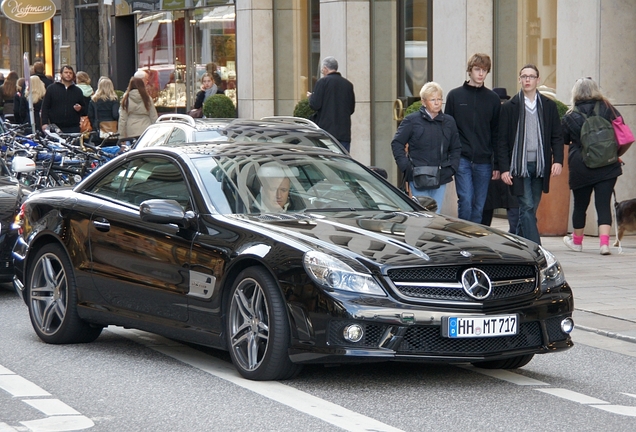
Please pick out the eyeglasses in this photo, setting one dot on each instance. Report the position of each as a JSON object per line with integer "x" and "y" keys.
{"x": 528, "y": 77}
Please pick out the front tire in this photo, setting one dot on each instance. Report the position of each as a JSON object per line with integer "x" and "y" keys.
{"x": 258, "y": 332}
{"x": 52, "y": 299}
{"x": 511, "y": 363}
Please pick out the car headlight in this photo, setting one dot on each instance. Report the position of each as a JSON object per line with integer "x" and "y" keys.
{"x": 333, "y": 273}
{"x": 552, "y": 274}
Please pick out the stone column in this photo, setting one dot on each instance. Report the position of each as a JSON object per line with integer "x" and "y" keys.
{"x": 255, "y": 58}
{"x": 344, "y": 34}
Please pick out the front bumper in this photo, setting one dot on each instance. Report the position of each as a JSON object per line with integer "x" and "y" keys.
{"x": 413, "y": 333}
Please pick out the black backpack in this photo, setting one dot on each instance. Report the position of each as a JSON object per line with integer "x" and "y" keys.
{"x": 598, "y": 142}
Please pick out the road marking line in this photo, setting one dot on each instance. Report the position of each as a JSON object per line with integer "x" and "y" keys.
{"x": 6, "y": 428}
{"x": 5, "y": 371}
{"x": 51, "y": 407}
{"x": 281, "y": 393}
{"x": 572, "y": 396}
{"x": 59, "y": 423}
{"x": 505, "y": 375}
{"x": 630, "y": 394}
{"x": 21, "y": 387}
{"x": 618, "y": 409}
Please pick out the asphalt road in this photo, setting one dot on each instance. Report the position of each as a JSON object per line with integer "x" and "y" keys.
{"x": 134, "y": 381}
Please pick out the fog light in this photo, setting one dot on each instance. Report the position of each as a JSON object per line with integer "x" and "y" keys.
{"x": 353, "y": 333}
{"x": 567, "y": 325}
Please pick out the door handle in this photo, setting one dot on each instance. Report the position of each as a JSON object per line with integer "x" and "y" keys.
{"x": 102, "y": 225}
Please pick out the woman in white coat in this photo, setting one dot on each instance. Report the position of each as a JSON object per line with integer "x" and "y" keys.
{"x": 137, "y": 111}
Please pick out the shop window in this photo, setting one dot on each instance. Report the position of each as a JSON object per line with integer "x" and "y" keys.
{"x": 525, "y": 32}
{"x": 176, "y": 48}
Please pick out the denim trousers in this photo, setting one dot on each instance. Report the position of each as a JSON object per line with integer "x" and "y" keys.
{"x": 436, "y": 194}
{"x": 471, "y": 184}
{"x": 528, "y": 205}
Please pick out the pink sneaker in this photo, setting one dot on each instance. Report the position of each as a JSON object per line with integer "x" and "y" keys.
{"x": 570, "y": 243}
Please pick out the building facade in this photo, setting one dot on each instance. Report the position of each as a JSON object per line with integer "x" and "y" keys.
{"x": 268, "y": 54}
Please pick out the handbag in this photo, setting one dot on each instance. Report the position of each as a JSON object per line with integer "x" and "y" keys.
{"x": 426, "y": 177}
{"x": 85, "y": 124}
{"x": 623, "y": 134}
{"x": 107, "y": 128}
{"x": 196, "y": 112}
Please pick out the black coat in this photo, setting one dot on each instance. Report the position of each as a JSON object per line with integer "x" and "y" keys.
{"x": 580, "y": 174}
{"x": 334, "y": 101}
{"x": 24, "y": 112}
{"x": 552, "y": 138}
{"x": 476, "y": 111}
{"x": 102, "y": 110}
{"x": 58, "y": 106}
{"x": 426, "y": 137}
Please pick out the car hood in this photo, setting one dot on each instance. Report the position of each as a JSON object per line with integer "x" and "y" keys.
{"x": 402, "y": 238}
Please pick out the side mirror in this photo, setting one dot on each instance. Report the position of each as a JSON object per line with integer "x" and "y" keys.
{"x": 163, "y": 212}
{"x": 427, "y": 202}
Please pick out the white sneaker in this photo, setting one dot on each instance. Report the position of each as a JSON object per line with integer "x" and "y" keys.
{"x": 570, "y": 243}
{"x": 605, "y": 250}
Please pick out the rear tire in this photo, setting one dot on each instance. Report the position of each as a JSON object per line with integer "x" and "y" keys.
{"x": 510, "y": 363}
{"x": 52, "y": 299}
{"x": 257, "y": 328}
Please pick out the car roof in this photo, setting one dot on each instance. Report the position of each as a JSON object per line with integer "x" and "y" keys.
{"x": 274, "y": 122}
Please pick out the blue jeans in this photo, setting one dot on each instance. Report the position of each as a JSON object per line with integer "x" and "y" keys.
{"x": 471, "y": 183}
{"x": 528, "y": 205}
{"x": 436, "y": 194}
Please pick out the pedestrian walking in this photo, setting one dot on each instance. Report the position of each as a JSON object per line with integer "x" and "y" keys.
{"x": 37, "y": 91}
{"x": 530, "y": 148}
{"x": 334, "y": 101}
{"x": 587, "y": 98}
{"x": 433, "y": 141}
{"x": 103, "y": 109}
{"x": 137, "y": 111}
{"x": 8, "y": 90}
{"x": 38, "y": 69}
{"x": 64, "y": 103}
{"x": 475, "y": 109}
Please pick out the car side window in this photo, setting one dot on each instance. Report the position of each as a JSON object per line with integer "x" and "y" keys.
{"x": 153, "y": 136}
{"x": 177, "y": 136}
{"x": 143, "y": 179}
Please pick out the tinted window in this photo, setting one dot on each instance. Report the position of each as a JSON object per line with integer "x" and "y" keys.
{"x": 143, "y": 179}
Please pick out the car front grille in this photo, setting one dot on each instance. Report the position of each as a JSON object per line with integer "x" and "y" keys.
{"x": 428, "y": 340}
{"x": 444, "y": 283}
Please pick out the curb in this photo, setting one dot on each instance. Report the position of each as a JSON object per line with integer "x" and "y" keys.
{"x": 606, "y": 333}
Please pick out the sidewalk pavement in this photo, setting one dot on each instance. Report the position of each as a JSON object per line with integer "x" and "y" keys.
{"x": 604, "y": 286}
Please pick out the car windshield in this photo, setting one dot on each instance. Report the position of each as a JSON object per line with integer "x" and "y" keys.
{"x": 257, "y": 184}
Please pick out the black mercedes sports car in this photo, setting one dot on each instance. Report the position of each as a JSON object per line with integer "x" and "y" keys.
{"x": 12, "y": 193}
{"x": 282, "y": 255}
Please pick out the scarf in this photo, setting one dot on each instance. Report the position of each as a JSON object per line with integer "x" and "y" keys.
{"x": 211, "y": 91}
{"x": 519, "y": 163}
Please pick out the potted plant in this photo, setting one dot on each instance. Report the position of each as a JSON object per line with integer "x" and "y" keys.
{"x": 219, "y": 106}
{"x": 303, "y": 109}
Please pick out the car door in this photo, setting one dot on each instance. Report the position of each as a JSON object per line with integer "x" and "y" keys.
{"x": 138, "y": 266}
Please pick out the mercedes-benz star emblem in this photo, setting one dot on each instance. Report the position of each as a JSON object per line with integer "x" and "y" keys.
{"x": 476, "y": 283}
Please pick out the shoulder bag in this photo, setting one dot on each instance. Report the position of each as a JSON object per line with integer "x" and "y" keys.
{"x": 196, "y": 112}
{"x": 428, "y": 176}
{"x": 624, "y": 135}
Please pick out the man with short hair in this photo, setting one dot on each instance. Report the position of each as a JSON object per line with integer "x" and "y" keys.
{"x": 475, "y": 109}
{"x": 38, "y": 70}
{"x": 530, "y": 148}
{"x": 334, "y": 101}
{"x": 64, "y": 103}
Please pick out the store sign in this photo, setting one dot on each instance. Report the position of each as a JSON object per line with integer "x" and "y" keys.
{"x": 28, "y": 11}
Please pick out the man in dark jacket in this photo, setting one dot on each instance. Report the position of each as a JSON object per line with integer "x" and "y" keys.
{"x": 334, "y": 102}
{"x": 530, "y": 148}
{"x": 38, "y": 69}
{"x": 64, "y": 103}
{"x": 475, "y": 108}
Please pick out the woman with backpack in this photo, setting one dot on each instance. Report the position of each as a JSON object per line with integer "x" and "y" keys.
{"x": 588, "y": 101}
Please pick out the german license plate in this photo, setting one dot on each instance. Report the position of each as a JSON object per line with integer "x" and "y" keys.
{"x": 483, "y": 326}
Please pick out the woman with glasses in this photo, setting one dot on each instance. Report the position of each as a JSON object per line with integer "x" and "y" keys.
{"x": 587, "y": 99}
{"x": 433, "y": 141}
